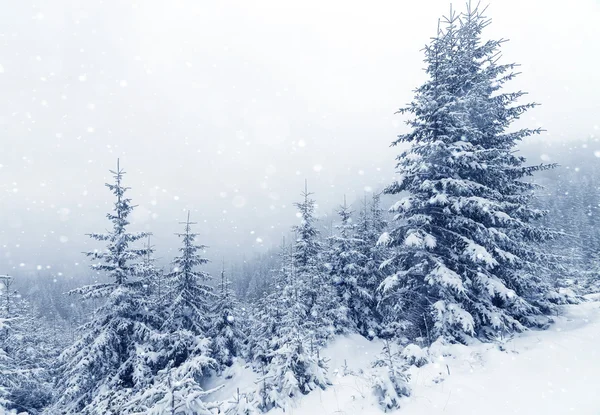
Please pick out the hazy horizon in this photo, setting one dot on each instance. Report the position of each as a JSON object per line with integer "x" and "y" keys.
{"x": 225, "y": 109}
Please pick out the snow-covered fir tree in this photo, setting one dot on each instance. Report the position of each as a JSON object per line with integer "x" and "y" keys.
{"x": 268, "y": 312}
{"x": 379, "y": 252}
{"x": 378, "y": 220}
{"x": 295, "y": 367}
{"x": 176, "y": 390}
{"x": 154, "y": 280}
{"x": 243, "y": 404}
{"x": 347, "y": 263}
{"x": 371, "y": 224}
{"x": 466, "y": 258}
{"x": 296, "y": 325}
{"x": 9, "y": 371}
{"x": 313, "y": 286}
{"x": 390, "y": 379}
{"x": 110, "y": 360}
{"x": 26, "y": 350}
{"x": 182, "y": 353}
{"x": 226, "y": 334}
{"x": 192, "y": 296}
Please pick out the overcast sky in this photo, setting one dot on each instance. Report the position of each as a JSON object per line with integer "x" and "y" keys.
{"x": 224, "y": 108}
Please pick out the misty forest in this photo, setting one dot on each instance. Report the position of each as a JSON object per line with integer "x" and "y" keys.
{"x": 460, "y": 277}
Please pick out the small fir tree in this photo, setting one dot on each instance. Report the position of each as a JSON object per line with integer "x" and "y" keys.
{"x": 347, "y": 264}
{"x": 227, "y": 337}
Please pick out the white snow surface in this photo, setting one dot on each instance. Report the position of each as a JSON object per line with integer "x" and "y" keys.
{"x": 240, "y": 377}
{"x": 549, "y": 372}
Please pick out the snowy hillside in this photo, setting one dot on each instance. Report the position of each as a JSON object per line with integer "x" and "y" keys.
{"x": 319, "y": 271}
{"x": 539, "y": 372}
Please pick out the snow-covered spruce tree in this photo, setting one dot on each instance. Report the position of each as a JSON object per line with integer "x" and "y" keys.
{"x": 269, "y": 311}
{"x": 176, "y": 390}
{"x": 347, "y": 264}
{"x": 9, "y": 372}
{"x": 192, "y": 296}
{"x": 379, "y": 222}
{"x": 242, "y": 405}
{"x": 370, "y": 226}
{"x": 390, "y": 380}
{"x": 294, "y": 367}
{"x": 110, "y": 360}
{"x": 182, "y": 352}
{"x": 154, "y": 280}
{"x": 34, "y": 347}
{"x": 227, "y": 337}
{"x": 26, "y": 349}
{"x": 312, "y": 284}
{"x": 467, "y": 260}
{"x": 371, "y": 221}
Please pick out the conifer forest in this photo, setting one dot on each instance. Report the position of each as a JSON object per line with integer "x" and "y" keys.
{"x": 313, "y": 208}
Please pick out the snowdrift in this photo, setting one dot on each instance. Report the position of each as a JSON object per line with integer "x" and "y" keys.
{"x": 538, "y": 372}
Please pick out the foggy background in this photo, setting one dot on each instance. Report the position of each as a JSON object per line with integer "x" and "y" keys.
{"x": 224, "y": 108}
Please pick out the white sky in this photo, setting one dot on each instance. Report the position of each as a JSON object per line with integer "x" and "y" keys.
{"x": 225, "y": 107}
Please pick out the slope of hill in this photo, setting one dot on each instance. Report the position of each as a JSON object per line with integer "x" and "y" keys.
{"x": 538, "y": 372}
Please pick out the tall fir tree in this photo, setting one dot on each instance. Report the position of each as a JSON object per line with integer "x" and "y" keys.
{"x": 347, "y": 264}
{"x": 467, "y": 259}
{"x": 110, "y": 360}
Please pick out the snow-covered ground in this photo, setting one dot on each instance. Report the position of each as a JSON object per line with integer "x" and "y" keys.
{"x": 556, "y": 371}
